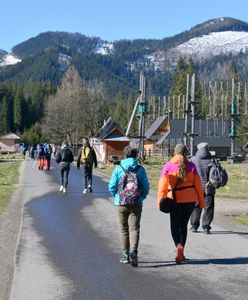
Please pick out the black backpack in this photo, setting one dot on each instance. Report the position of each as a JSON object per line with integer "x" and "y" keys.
{"x": 218, "y": 176}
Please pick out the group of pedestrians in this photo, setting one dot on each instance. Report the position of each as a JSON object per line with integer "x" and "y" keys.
{"x": 86, "y": 159}
{"x": 184, "y": 180}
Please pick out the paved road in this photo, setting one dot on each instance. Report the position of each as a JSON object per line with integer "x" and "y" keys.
{"x": 68, "y": 248}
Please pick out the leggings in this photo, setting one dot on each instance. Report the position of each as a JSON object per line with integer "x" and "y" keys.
{"x": 179, "y": 219}
{"x": 64, "y": 173}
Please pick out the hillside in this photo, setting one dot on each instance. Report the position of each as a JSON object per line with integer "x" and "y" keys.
{"x": 117, "y": 65}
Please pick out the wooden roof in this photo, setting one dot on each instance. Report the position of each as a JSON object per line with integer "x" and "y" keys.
{"x": 10, "y": 136}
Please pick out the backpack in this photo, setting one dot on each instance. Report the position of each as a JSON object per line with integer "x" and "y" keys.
{"x": 218, "y": 176}
{"x": 41, "y": 150}
{"x": 129, "y": 189}
{"x": 48, "y": 149}
{"x": 86, "y": 155}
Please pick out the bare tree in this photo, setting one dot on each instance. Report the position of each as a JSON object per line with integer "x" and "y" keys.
{"x": 66, "y": 111}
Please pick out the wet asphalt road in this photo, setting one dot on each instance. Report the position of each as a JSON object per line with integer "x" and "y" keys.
{"x": 68, "y": 248}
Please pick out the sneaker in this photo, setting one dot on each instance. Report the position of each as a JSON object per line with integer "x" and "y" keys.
{"x": 193, "y": 229}
{"x": 61, "y": 188}
{"x": 90, "y": 189}
{"x": 179, "y": 254}
{"x": 206, "y": 230}
{"x": 85, "y": 191}
{"x": 64, "y": 190}
{"x": 134, "y": 259}
{"x": 124, "y": 259}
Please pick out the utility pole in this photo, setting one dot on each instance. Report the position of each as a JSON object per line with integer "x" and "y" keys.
{"x": 186, "y": 114}
{"x": 192, "y": 103}
{"x": 234, "y": 116}
{"x": 142, "y": 109}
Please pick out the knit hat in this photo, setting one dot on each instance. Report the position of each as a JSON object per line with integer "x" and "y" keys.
{"x": 202, "y": 145}
{"x": 181, "y": 149}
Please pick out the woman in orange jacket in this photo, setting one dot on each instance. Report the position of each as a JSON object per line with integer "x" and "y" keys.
{"x": 181, "y": 175}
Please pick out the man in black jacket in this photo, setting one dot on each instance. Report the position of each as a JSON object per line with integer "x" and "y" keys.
{"x": 202, "y": 161}
{"x": 86, "y": 158}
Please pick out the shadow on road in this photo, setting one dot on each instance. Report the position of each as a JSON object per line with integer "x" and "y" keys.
{"x": 214, "y": 261}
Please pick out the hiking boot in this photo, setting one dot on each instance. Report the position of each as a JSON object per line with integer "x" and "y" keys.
{"x": 179, "y": 254}
{"x": 193, "y": 229}
{"x": 85, "y": 191}
{"x": 64, "y": 190}
{"x": 90, "y": 189}
{"x": 134, "y": 259}
{"x": 124, "y": 259}
{"x": 61, "y": 188}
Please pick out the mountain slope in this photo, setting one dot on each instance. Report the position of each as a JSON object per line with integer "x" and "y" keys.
{"x": 117, "y": 65}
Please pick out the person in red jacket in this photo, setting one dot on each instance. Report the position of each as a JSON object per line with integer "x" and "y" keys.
{"x": 181, "y": 175}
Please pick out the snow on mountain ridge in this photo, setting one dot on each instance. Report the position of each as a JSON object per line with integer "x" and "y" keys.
{"x": 9, "y": 59}
{"x": 215, "y": 43}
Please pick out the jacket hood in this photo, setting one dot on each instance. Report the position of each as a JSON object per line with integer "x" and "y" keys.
{"x": 203, "y": 153}
{"x": 129, "y": 163}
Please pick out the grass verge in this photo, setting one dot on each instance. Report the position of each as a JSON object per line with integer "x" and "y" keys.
{"x": 9, "y": 173}
{"x": 242, "y": 219}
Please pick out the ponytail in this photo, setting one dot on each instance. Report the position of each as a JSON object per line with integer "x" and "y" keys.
{"x": 182, "y": 168}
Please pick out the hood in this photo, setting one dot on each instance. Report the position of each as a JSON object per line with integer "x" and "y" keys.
{"x": 129, "y": 163}
{"x": 203, "y": 153}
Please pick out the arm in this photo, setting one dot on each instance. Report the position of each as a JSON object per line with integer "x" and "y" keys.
{"x": 145, "y": 186}
{"x": 78, "y": 158}
{"x": 58, "y": 157}
{"x": 198, "y": 188}
{"x": 94, "y": 158}
{"x": 162, "y": 185}
{"x": 114, "y": 181}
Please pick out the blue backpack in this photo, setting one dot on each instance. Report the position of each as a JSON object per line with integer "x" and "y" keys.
{"x": 129, "y": 188}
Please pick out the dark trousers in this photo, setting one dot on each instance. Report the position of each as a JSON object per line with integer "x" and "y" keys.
{"x": 208, "y": 214}
{"x": 87, "y": 174}
{"x": 179, "y": 219}
{"x": 64, "y": 173}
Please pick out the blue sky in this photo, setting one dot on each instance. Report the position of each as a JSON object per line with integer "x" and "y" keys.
{"x": 110, "y": 19}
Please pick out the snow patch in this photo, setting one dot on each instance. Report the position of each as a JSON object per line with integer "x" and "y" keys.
{"x": 105, "y": 48}
{"x": 9, "y": 59}
{"x": 214, "y": 44}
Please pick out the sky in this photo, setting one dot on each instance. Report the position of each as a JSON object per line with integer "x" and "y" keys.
{"x": 110, "y": 20}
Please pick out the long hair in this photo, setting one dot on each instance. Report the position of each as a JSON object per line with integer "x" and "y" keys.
{"x": 182, "y": 168}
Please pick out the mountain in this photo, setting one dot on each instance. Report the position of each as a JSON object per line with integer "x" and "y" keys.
{"x": 117, "y": 65}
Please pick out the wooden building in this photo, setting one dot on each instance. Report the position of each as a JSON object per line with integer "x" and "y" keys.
{"x": 214, "y": 132}
{"x": 8, "y": 143}
{"x": 109, "y": 142}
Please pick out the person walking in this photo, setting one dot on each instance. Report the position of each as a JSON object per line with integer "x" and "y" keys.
{"x": 64, "y": 157}
{"x": 48, "y": 154}
{"x": 181, "y": 176}
{"x": 129, "y": 186}
{"x": 86, "y": 158}
{"x": 40, "y": 153}
{"x": 203, "y": 161}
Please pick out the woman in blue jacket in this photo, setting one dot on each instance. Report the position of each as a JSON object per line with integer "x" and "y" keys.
{"x": 129, "y": 186}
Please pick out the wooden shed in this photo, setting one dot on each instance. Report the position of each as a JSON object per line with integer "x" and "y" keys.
{"x": 8, "y": 142}
{"x": 109, "y": 142}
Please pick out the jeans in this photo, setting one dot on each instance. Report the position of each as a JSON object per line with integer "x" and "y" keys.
{"x": 87, "y": 174}
{"x": 64, "y": 173}
{"x": 179, "y": 219}
{"x": 208, "y": 214}
{"x": 129, "y": 224}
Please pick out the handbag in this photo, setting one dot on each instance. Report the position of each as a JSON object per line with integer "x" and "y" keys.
{"x": 167, "y": 204}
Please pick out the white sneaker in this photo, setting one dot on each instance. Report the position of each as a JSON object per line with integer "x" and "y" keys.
{"x": 61, "y": 188}
{"x": 64, "y": 190}
{"x": 84, "y": 191}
